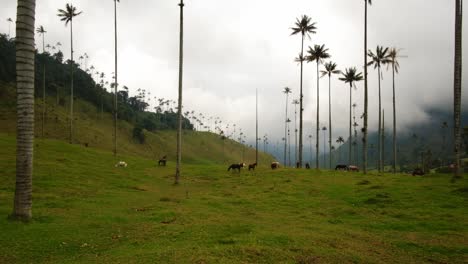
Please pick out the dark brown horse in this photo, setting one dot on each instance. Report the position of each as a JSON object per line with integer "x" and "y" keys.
{"x": 162, "y": 161}
{"x": 236, "y": 166}
{"x": 252, "y": 166}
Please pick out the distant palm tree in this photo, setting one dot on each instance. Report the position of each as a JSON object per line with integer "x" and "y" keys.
{"x": 295, "y": 103}
{"x": 67, "y": 15}
{"x": 394, "y": 55}
{"x": 324, "y": 129}
{"x": 318, "y": 54}
{"x": 25, "y": 54}
{"x": 380, "y": 58}
{"x": 366, "y": 94}
{"x": 458, "y": 85}
{"x": 286, "y": 91}
{"x": 351, "y": 76}
{"x": 305, "y": 27}
{"x": 42, "y": 32}
{"x": 340, "y": 141}
{"x": 9, "y": 20}
{"x": 330, "y": 68}
{"x": 179, "y": 111}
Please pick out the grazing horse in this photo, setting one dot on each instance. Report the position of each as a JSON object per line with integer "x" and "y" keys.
{"x": 353, "y": 168}
{"x": 236, "y": 166}
{"x": 341, "y": 167}
{"x": 275, "y": 165}
{"x": 162, "y": 161}
{"x": 252, "y": 166}
{"x": 308, "y": 166}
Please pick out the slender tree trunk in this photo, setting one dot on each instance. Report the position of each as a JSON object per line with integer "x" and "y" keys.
{"x": 116, "y": 83}
{"x": 329, "y": 119}
{"x": 383, "y": 140}
{"x": 394, "y": 122}
{"x": 256, "y": 126}
{"x": 317, "y": 166}
{"x": 366, "y": 99}
{"x": 25, "y": 54}
{"x": 71, "y": 84}
{"x": 458, "y": 85}
{"x": 179, "y": 113}
{"x": 43, "y": 88}
{"x": 350, "y": 117}
{"x": 295, "y": 133}
{"x": 286, "y": 131}
{"x": 380, "y": 125}
{"x": 301, "y": 110}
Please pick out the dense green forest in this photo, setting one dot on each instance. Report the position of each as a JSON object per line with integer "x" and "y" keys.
{"x": 134, "y": 109}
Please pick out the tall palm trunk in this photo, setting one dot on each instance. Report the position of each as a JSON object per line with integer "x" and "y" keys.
{"x": 256, "y": 126}
{"x": 295, "y": 133}
{"x": 380, "y": 125}
{"x": 366, "y": 99}
{"x": 318, "y": 121}
{"x": 25, "y": 109}
{"x": 71, "y": 84}
{"x": 179, "y": 112}
{"x": 458, "y": 84}
{"x": 286, "y": 131}
{"x": 329, "y": 119}
{"x": 43, "y": 88}
{"x": 301, "y": 110}
{"x": 394, "y": 121}
{"x": 350, "y": 117}
{"x": 116, "y": 83}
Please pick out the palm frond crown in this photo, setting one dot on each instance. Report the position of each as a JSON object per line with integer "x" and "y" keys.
{"x": 305, "y": 26}
{"x": 318, "y": 53}
{"x": 351, "y": 76}
{"x": 330, "y": 68}
{"x": 68, "y": 14}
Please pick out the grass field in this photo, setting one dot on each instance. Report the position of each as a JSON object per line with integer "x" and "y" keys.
{"x": 87, "y": 211}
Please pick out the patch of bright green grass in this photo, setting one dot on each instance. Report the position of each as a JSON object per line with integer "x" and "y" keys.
{"x": 87, "y": 211}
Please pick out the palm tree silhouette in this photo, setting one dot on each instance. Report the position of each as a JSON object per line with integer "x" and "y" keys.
{"x": 330, "y": 68}
{"x": 25, "y": 55}
{"x": 67, "y": 15}
{"x": 9, "y": 20}
{"x": 324, "y": 129}
{"x": 286, "y": 91}
{"x": 351, "y": 76}
{"x": 394, "y": 54}
{"x": 380, "y": 58}
{"x": 317, "y": 54}
{"x": 42, "y": 32}
{"x": 305, "y": 27}
{"x": 366, "y": 94}
{"x": 340, "y": 141}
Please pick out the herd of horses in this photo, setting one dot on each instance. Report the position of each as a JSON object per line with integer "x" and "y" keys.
{"x": 274, "y": 165}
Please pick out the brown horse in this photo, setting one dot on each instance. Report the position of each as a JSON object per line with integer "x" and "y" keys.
{"x": 252, "y": 166}
{"x": 236, "y": 166}
{"x": 162, "y": 161}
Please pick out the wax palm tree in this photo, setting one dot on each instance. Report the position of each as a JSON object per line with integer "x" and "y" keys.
{"x": 295, "y": 103}
{"x": 351, "y": 76}
{"x": 379, "y": 58}
{"x": 394, "y": 54}
{"x": 458, "y": 85}
{"x": 116, "y": 77}
{"x": 366, "y": 94}
{"x": 67, "y": 15}
{"x": 324, "y": 129}
{"x": 340, "y": 141}
{"x": 42, "y": 32}
{"x": 179, "y": 111}
{"x": 330, "y": 69}
{"x": 286, "y": 91}
{"x": 305, "y": 27}
{"x": 317, "y": 54}
{"x": 25, "y": 54}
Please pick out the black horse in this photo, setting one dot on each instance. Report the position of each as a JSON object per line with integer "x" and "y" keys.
{"x": 252, "y": 166}
{"x": 236, "y": 166}
{"x": 162, "y": 161}
{"x": 341, "y": 167}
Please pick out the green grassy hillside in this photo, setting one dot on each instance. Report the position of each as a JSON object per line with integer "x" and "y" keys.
{"x": 97, "y": 132}
{"x": 87, "y": 211}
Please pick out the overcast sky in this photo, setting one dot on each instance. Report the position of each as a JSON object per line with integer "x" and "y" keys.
{"x": 234, "y": 47}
